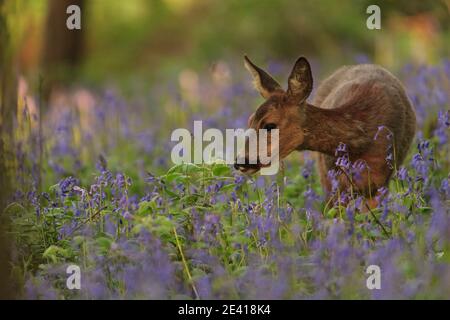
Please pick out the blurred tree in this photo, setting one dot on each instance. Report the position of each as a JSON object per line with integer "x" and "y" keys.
{"x": 63, "y": 48}
{"x": 8, "y": 102}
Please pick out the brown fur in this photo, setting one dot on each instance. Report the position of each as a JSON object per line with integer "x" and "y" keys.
{"x": 349, "y": 107}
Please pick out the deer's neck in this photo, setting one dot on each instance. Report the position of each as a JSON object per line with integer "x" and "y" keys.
{"x": 324, "y": 129}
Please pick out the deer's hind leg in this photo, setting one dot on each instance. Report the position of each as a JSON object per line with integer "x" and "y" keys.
{"x": 326, "y": 163}
{"x": 369, "y": 181}
{"x": 366, "y": 183}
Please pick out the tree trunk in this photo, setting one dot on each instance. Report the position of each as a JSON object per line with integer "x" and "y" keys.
{"x": 63, "y": 48}
{"x": 8, "y": 103}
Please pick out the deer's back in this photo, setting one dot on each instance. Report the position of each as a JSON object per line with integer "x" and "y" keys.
{"x": 375, "y": 97}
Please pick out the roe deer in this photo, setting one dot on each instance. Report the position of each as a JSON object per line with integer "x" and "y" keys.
{"x": 350, "y": 107}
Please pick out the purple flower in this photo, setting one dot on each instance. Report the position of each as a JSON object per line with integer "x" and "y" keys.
{"x": 341, "y": 148}
{"x": 442, "y": 130}
{"x": 66, "y": 185}
{"x": 101, "y": 164}
{"x": 402, "y": 174}
{"x": 127, "y": 215}
{"x": 388, "y": 136}
{"x": 343, "y": 162}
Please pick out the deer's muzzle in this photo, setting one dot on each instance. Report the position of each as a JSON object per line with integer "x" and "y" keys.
{"x": 245, "y": 166}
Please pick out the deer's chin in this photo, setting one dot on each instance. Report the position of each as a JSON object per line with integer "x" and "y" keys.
{"x": 249, "y": 171}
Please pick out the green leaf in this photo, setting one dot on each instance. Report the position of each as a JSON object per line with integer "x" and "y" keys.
{"x": 221, "y": 170}
{"x": 54, "y": 253}
{"x": 104, "y": 243}
{"x": 146, "y": 207}
{"x": 185, "y": 168}
{"x": 190, "y": 199}
{"x": 228, "y": 187}
{"x": 331, "y": 213}
{"x": 160, "y": 225}
{"x": 54, "y": 187}
{"x": 78, "y": 240}
{"x": 177, "y": 177}
{"x": 15, "y": 208}
{"x": 425, "y": 210}
{"x": 171, "y": 193}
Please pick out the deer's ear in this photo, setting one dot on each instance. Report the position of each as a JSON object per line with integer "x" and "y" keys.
{"x": 300, "y": 81}
{"x": 264, "y": 83}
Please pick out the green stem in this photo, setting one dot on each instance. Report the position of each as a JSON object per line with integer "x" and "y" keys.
{"x": 186, "y": 268}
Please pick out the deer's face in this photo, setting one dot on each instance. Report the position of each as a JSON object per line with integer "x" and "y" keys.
{"x": 281, "y": 110}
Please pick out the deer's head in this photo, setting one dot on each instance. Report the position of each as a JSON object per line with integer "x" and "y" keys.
{"x": 281, "y": 110}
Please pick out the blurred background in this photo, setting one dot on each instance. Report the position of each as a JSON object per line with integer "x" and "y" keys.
{"x": 120, "y": 40}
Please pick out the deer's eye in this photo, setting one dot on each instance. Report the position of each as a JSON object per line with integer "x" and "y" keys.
{"x": 270, "y": 126}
